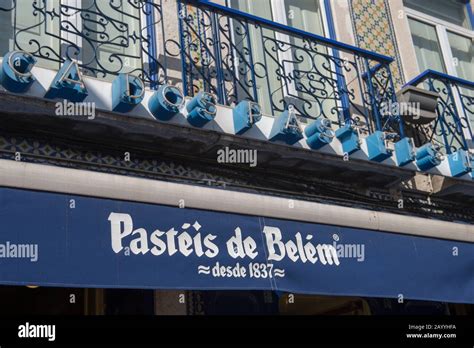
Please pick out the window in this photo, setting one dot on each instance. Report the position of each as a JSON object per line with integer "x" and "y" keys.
{"x": 452, "y": 11}
{"x": 104, "y": 36}
{"x": 463, "y": 55}
{"x": 305, "y": 15}
{"x": 443, "y": 40}
{"x": 109, "y": 41}
{"x": 262, "y": 8}
{"x": 305, "y": 90}
{"x": 31, "y": 26}
{"x": 428, "y": 51}
{"x": 442, "y": 36}
{"x": 302, "y": 14}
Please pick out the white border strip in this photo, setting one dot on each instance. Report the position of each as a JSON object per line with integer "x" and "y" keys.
{"x": 88, "y": 183}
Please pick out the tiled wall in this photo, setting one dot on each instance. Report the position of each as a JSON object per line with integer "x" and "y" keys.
{"x": 373, "y": 30}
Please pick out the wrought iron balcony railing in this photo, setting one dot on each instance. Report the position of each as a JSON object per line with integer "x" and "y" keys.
{"x": 201, "y": 45}
{"x": 239, "y": 56}
{"x": 452, "y": 130}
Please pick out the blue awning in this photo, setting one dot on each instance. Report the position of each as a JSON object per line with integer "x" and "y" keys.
{"x": 50, "y": 239}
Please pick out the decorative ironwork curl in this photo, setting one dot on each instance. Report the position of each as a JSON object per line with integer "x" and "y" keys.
{"x": 228, "y": 56}
{"x": 448, "y": 131}
{"x": 104, "y": 37}
{"x": 236, "y": 59}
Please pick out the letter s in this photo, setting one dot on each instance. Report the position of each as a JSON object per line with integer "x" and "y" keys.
{"x": 159, "y": 246}
{"x": 213, "y": 250}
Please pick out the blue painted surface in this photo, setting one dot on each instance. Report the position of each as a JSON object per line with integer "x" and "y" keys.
{"x": 15, "y": 72}
{"x": 319, "y": 133}
{"x": 291, "y": 30}
{"x": 349, "y": 138}
{"x": 427, "y": 157}
{"x": 152, "y": 51}
{"x": 376, "y": 148}
{"x": 166, "y": 102}
{"x": 405, "y": 151}
{"x": 76, "y": 248}
{"x": 286, "y": 128}
{"x": 436, "y": 74}
{"x": 245, "y": 115}
{"x": 212, "y": 72}
{"x": 372, "y": 96}
{"x": 451, "y": 120}
{"x": 182, "y": 41}
{"x": 68, "y": 84}
{"x": 470, "y": 13}
{"x": 341, "y": 81}
{"x": 127, "y": 92}
{"x": 460, "y": 163}
{"x": 201, "y": 109}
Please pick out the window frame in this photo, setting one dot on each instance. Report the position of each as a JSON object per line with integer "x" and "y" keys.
{"x": 442, "y": 28}
{"x": 144, "y": 60}
{"x": 278, "y": 15}
{"x": 278, "y": 8}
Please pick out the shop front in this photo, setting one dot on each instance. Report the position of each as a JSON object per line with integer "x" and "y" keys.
{"x": 101, "y": 244}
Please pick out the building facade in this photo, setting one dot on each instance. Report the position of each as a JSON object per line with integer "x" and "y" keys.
{"x": 237, "y": 156}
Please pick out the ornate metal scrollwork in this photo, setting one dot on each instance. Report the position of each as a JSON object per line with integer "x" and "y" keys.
{"x": 467, "y": 103}
{"x": 212, "y": 51}
{"x": 447, "y": 132}
{"x": 104, "y": 37}
{"x": 237, "y": 59}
